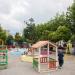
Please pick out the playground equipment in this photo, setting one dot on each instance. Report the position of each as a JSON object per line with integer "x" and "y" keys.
{"x": 3, "y": 57}
{"x": 45, "y": 58}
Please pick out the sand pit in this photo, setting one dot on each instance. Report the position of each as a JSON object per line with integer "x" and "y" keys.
{"x": 26, "y": 58}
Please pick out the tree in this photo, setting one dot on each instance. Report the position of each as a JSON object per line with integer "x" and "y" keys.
{"x": 54, "y": 23}
{"x": 18, "y": 38}
{"x": 3, "y": 35}
{"x": 71, "y": 17}
{"x": 30, "y": 31}
{"x": 62, "y": 33}
{"x": 52, "y": 36}
{"x": 42, "y": 32}
{"x": 73, "y": 38}
{"x": 46, "y": 30}
{"x": 62, "y": 26}
{"x": 10, "y": 40}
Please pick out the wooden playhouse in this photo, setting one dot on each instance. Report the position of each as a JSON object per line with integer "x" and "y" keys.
{"x": 45, "y": 56}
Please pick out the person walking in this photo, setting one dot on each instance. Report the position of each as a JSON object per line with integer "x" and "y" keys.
{"x": 60, "y": 56}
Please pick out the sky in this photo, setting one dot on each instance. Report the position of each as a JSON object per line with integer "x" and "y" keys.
{"x": 13, "y": 13}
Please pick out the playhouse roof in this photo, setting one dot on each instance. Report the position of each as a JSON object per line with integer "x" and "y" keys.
{"x": 42, "y": 43}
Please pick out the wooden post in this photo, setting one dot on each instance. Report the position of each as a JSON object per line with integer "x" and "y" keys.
{"x": 33, "y": 57}
{"x": 56, "y": 56}
{"x": 48, "y": 55}
{"x": 39, "y": 59}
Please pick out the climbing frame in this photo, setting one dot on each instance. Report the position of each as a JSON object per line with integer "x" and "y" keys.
{"x": 3, "y": 57}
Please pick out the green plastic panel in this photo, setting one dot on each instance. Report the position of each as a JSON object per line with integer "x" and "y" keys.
{"x": 35, "y": 63}
{"x": 3, "y": 55}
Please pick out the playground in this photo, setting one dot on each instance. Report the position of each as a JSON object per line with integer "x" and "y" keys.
{"x": 17, "y": 63}
{"x": 37, "y": 37}
{"x": 16, "y": 67}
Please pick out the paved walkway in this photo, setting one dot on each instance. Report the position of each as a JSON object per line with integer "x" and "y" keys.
{"x": 16, "y": 67}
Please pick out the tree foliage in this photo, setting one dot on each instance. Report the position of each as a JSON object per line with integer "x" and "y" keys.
{"x": 71, "y": 17}
{"x": 30, "y": 31}
{"x": 3, "y": 35}
{"x": 18, "y": 38}
{"x": 60, "y": 27}
{"x": 10, "y": 40}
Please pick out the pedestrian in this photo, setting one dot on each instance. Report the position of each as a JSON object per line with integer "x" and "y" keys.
{"x": 60, "y": 56}
{"x": 69, "y": 48}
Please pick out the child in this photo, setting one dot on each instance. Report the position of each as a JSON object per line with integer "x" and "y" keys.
{"x": 60, "y": 56}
